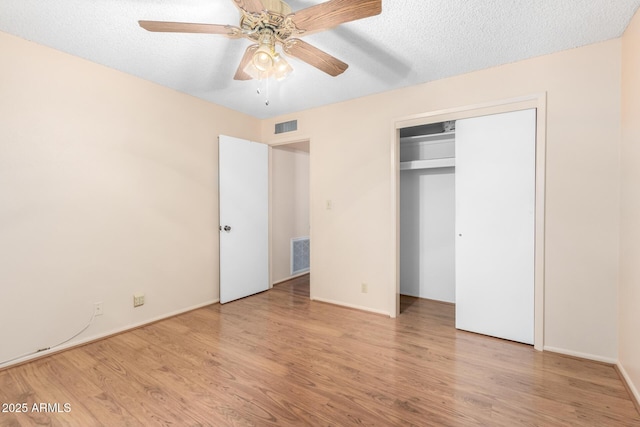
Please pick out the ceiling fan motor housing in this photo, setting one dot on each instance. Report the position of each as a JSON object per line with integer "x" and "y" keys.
{"x": 275, "y": 17}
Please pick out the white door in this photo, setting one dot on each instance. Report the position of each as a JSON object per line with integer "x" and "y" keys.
{"x": 244, "y": 218}
{"x": 495, "y": 198}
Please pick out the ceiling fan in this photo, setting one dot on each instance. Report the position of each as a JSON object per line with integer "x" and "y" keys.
{"x": 271, "y": 22}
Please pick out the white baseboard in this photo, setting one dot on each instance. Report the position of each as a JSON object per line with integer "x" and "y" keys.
{"x": 357, "y": 307}
{"x": 630, "y": 384}
{"x": 588, "y": 356}
{"x": 97, "y": 337}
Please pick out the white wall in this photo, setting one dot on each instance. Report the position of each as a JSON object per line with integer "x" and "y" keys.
{"x": 351, "y": 165}
{"x": 629, "y": 299}
{"x": 290, "y": 204}
{"x": 109, "y": 187}
{"x": 427, "y": 233}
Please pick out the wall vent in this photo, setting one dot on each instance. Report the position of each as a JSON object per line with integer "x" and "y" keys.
{"x": 289, "y": 126}
{"x": 299, "y": 255}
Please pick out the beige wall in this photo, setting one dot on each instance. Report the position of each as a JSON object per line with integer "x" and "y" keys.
{"x": 629, "y": 299}
{"x": 351, "y": 165}
{"x": 109, "y": 187}
{"x": 289, "y": 205}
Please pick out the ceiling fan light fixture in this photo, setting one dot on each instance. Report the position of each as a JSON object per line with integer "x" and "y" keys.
{"x": 281, "y": 68}
{"x": 263, "y": 58}
{"x": 267, "y": 22}
{"x": 255, "y": 74}
{"x": 266, "y": 63}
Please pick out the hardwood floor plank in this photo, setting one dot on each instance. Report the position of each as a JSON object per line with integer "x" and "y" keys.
{"x": 279, "y": 359}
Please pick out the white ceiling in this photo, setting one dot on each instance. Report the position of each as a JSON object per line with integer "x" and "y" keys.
{"x": 411, "y": 42}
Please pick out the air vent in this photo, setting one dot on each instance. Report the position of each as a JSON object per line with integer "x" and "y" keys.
{"x": 289, "y": 126}
{"x": 299, "y": 255}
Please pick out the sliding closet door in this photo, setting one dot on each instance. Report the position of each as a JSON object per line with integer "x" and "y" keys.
{"x": 495, "y": 196}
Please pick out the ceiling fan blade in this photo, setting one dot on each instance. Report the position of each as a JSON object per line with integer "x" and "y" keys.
{"x": 335, "y": 12}
{"x": 248, "y": 55}
{"x": 251, "y": 6}
{"x": 314, "y": 56}
{"x": 186, "y": 27}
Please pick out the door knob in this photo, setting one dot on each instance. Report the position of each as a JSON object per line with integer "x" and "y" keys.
{"x": 227, "y": 228}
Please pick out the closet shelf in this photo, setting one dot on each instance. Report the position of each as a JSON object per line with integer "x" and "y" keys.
{"x": 432, "y": 138}
{"x": 446, "y": 162}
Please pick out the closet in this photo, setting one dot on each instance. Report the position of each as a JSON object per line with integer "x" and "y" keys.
{"x": 427, "y": 212}
{"x": 467, "y": 220}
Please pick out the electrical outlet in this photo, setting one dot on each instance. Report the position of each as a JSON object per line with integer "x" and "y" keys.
{"x": 98, "y": 309}
{"x": 364, "y": 288}
{"x": 138, "y": 300}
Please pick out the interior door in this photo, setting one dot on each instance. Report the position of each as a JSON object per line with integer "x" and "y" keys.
{"x": 244, "y": 218}
{"x": 495, "y": 218}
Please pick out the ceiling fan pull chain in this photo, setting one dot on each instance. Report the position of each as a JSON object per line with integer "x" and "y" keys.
{"x": 260, "y": 89}
{"x": 266, "y": 102}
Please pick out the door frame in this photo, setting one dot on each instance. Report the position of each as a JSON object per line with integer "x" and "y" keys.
{"x": 537, "y": 101}
{"x": 271, "y": 147}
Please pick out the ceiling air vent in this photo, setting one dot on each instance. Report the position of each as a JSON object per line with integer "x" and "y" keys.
{"x": 289, "y": 126}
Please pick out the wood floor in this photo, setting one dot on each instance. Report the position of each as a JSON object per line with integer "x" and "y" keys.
{"x": 278, "y": 359}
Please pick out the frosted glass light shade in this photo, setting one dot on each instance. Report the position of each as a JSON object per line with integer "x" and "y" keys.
{"x": 263, "y": 58}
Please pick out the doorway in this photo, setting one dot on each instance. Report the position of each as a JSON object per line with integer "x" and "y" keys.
{"x": 290, "y": 218}
{"x": 537, "y": 102}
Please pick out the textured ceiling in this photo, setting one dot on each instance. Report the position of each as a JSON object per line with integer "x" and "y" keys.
{"x": 411, "y": 42}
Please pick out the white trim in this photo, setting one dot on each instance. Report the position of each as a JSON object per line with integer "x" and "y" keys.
{"x": 406, "y": 121}
{"x": 581, "y": 355}
{"x": 107, "y": 334}
{"x": 394, "y": 289}
{"x": 283, "y": 141}
{"x": 630, "y": 383}
{"x": 286, "y": 279}
{"x": 270, "y": 220}
{"x": 357, "y": 307}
